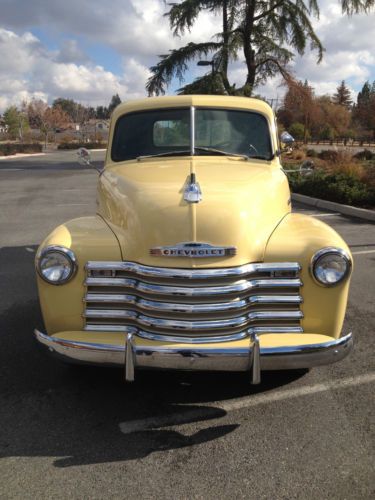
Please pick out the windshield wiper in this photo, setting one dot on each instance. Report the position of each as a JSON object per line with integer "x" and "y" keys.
{"x": 221, "y": 152}
{"x": 167, "y": 153}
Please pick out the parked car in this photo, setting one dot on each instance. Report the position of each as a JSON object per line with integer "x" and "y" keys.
{"x": 194, "y": 259}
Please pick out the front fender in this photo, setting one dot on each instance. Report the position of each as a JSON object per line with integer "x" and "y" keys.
{"x": 297, "y": 238}
{"x": 89, "y": 238}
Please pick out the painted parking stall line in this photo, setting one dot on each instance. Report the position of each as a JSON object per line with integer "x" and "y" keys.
{"x": 240, "y": 404}
{"x": 363, "y": 252}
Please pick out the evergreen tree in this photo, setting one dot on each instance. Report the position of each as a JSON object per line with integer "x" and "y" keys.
{"x": 115, "y": 101}
{"x": 364, "y": 111}
{"x": 259, "y": 29}
{"x": 343, "y": 96}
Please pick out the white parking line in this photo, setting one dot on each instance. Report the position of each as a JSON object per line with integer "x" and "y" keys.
{"x": 363, "y": 252}
{"x": 239, "y": 404}
{"x": 325, "y": 215}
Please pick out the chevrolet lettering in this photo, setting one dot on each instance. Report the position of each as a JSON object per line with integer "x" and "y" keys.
{"x": 197, "y": 250}
{"x": 194, "y": 259}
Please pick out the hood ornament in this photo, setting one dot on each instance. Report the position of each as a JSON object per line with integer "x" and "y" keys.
{"x": 197, "y": 250}
{"x": 192, "y": 192}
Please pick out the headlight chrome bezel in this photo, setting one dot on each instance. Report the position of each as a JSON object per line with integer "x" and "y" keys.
{"x": 67, "y": 253}
{"x": 331, "y": 251}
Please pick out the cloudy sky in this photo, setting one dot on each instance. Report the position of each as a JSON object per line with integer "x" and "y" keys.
{"x": 88, "y": 50}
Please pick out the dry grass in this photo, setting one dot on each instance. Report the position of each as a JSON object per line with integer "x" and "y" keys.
{"x": 344, "y": 163}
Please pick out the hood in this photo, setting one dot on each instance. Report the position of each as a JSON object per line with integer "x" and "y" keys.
{"x": 242, "y": 203}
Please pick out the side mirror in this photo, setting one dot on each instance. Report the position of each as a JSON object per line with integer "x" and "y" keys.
{"x": 84, "y": 156}
{"x": 286, "y": 138}
{"x": 307, "y": 168}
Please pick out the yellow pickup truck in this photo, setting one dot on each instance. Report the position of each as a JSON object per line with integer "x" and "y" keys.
{"x": 194, "y": 260}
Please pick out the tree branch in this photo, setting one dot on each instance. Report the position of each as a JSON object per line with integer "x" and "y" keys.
{"x": 267, "y": 12}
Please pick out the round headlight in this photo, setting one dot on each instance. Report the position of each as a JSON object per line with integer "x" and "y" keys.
{"x": 330, "y": 266}
{"x": 56, "y": 265}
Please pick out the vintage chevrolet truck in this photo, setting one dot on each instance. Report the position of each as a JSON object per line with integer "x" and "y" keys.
{"x": 194, "y": 259}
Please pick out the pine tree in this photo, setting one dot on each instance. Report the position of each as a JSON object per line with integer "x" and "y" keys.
{"x": 259, "y": 30}
{"x": 343, "y": 96}
{"x": 115, "y": 101}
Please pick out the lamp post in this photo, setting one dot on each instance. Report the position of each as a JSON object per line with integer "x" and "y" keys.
{"x": 212, "y": 64}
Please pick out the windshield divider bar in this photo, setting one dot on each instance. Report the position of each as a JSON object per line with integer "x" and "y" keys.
{"x": 192, "y": 130}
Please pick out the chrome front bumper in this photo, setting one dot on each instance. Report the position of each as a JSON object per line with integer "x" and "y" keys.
{"x": 252, "y": 358}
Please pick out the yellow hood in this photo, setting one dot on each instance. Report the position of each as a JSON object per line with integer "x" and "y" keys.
{"x": 242, "y": 203}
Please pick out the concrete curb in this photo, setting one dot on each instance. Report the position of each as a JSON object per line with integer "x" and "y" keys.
{"x": 360, "y": 213}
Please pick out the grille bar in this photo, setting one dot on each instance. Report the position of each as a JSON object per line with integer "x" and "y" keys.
{"x": 171, "y": 307}
{"x": 190, "y": 291}
{"x": 173, "y": 324}
{"x": 186, "y": 274}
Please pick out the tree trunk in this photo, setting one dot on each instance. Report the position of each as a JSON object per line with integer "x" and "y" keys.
{"x": 225, "y": 59}
{"x": 248, "y": 50}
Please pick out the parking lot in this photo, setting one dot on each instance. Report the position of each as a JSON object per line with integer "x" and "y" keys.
{"x": 80, "y": 432}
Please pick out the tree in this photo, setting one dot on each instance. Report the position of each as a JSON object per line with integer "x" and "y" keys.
{"x": 343, "y": 96}
{"x": 208, "y": 84}
{"x": 259, "y": 29}
{"x": 101, "y": 113}
{"x": 300, "y": 104}
{"x": 364, "y": 111}
{"x": 47, "y": 119}
{"x": 17, "y": 122}
{"x": 115, "y": 101}
{"x": 69, "y": 106}
{"x": 331, "y": 120}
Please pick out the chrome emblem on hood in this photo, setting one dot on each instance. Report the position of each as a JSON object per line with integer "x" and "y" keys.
{"x": 196, "y": 250}
{"x": 192, "y": 192}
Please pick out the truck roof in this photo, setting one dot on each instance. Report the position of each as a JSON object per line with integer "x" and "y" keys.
{"x": 218, "y": 101}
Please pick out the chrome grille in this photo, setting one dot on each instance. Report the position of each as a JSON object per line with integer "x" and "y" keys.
{"x": 188, "y": 304}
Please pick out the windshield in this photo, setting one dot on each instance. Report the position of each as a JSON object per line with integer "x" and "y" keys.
{"x": 167, "y": 131}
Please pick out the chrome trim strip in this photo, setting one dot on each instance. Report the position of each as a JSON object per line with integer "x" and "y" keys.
{"x": 238, "y": 287}
{"x": 166, "y": 272}
{"x": 201, "y": 339}
{"x": 153, "y": 305}
{"x": 226, "y": 358}
{"x": 176, "y": 324}
{"x": 326, "y": 251}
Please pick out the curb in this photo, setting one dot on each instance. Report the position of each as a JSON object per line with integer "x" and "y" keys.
{"x": 360, "y": 213}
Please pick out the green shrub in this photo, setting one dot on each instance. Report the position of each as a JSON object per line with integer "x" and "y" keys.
{"x": 87, "y": 145}
{"x": 11, "y": 148}
{"x": 366, "y": 154}
{"x": 338, "y": 187}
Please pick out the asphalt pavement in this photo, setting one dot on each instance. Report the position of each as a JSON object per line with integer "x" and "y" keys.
{"x": 80, "y": 432}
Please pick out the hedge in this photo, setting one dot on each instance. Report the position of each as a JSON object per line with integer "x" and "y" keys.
{"x": 338, "y": 187}
{"x": 11, "y": 148}
{"x": 87, "y": 145}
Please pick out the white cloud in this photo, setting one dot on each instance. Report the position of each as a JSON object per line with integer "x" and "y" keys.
{"x": 28, "y": 70}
